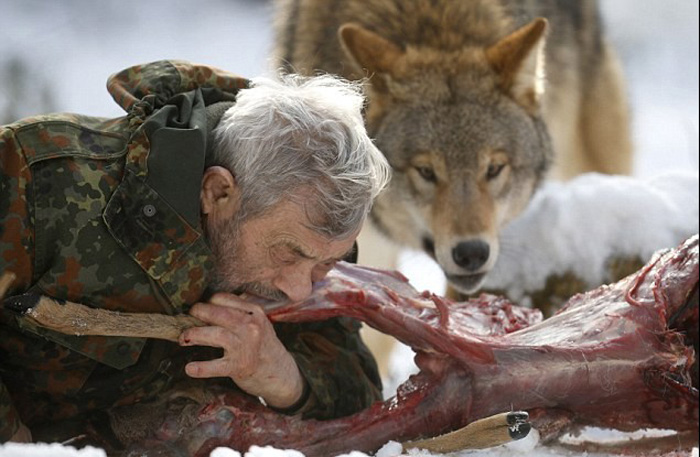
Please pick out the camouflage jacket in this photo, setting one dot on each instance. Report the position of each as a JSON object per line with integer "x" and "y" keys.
{"x": 105, "y": 212}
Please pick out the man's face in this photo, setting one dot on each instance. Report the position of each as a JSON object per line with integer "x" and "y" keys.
{"x": 276, "y": 255}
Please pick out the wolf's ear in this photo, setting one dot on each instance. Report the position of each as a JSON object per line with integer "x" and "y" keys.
{"x": 519, "y": 61}
{"x": 369, "y": 51}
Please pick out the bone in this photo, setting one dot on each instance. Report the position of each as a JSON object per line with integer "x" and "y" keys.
{"x": 482, "y": 434}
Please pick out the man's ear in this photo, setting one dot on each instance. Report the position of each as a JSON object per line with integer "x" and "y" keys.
{"x": 220, "y": 194}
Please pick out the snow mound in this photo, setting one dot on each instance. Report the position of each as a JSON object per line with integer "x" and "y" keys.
{"x": 47, "y": 450}
{"x": 580, "y": 225}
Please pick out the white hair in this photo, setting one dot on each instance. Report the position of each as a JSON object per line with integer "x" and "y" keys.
{"x": 303, "y": 138}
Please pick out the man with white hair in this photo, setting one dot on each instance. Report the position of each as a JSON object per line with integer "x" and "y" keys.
{"x": 212, "y": 189}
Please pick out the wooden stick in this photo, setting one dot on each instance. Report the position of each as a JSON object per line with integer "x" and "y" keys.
{"x": 6, "y": 281}
{"x": 76, "y": 319}
{"x": 482, "y": 434}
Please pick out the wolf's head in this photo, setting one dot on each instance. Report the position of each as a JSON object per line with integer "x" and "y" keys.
{"x": 463, "y": 132}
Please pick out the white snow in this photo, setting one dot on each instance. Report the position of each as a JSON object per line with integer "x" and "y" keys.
{"x": 73, "y": 46}
{"x": 47, "y": 450}
{"x": 526, "y": 447}
{"x": 580, "y": 225}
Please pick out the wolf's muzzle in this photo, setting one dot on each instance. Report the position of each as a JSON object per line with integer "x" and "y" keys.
{"x": 471, "y": 255}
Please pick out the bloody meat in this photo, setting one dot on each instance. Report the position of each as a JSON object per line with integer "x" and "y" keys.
{"x": 621, "y": 356}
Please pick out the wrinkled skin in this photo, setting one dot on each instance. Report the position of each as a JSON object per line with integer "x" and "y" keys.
{"x": 620, "y": 356}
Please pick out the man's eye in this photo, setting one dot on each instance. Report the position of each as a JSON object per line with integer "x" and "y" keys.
{"x": 286, "y": 258}
{"x": 322, "y": 269}
{"x": 326, "y": 266}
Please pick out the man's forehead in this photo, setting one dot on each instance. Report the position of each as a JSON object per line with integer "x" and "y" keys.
{"x": 293, "y": 219}
{"x": 348, "y": 247}
{"x": 317, "y": 247}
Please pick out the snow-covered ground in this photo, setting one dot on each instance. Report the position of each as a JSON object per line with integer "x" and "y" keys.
{"x": 525, "y": 448}
{"x": 70, "y": 47}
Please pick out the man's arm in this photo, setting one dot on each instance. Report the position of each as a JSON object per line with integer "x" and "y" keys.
{"x": 16, "y": 231}
{"x": 322, "y": 370}
{"x": 254, "y": 358}
{"x": 16, "y": 246}
{"x": 11, "y": 428}
{"x": 342, "y": 374}
{"x": 335, "y": 361}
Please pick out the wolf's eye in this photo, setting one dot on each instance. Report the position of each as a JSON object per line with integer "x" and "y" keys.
{"x": 427, "y": 173}
{"x": 494, "y": 171}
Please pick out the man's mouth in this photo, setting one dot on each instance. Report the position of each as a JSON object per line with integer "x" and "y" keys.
{"x": 257, "y": 292}
{"x": 255, "y": 298}
{"x": 466, "y": 284}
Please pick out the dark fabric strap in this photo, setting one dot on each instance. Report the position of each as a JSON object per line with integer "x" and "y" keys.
{"x": 299, "y": 405}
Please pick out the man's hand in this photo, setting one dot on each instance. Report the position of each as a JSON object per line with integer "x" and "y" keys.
{"x": 253, "y": 357}
{"x": 22, "y": 435}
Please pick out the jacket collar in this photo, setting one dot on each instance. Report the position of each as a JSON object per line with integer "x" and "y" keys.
{"x": 155, "y": 212}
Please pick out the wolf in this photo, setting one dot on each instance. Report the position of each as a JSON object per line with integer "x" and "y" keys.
{"x": 473, "y": 102}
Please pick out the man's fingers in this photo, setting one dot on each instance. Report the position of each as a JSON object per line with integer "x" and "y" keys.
{"x": 224, "y": 309}
{"x": 218, "y": 368}
{"x": 217, "y": 337}
{"x": 235, "y": 302}
{"x": 239, "y": 367}
{"x": 224, "y": 315}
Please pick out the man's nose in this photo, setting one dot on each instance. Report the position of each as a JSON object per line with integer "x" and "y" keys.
{"x": 295, "y": 283}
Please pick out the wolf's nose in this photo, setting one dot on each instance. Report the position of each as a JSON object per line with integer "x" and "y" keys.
{"x": 471, "y": 255}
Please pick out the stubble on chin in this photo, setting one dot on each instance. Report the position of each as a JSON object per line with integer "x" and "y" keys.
{"x": 224, "y": 244}
{"x": 229, "y": 274}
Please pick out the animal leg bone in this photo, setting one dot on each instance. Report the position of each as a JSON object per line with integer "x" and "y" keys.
{"x": 77, "y": 319}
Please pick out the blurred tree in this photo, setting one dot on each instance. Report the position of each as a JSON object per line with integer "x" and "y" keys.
{"x": 22, "y": 91}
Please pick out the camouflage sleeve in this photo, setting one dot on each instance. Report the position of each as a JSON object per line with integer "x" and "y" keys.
{"x": 16, "y": 244}
{"x": 9, "y": 422}
{"x": 341, "y": 373}
{"x": 16, "y": 233}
